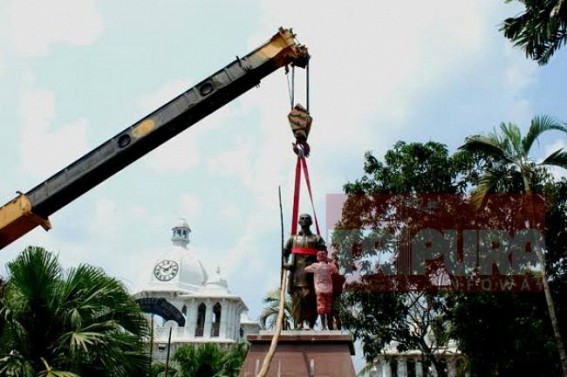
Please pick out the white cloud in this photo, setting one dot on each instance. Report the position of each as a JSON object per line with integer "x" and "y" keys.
{"x": 181, "y": 153}
{"x": 3, "y": 38}
{"x": 190, "y": 205}
{"x": 558, "y": 144}
{"x": 44, "y": 149}
{"x": 104, "y": 223}
{"x": 230, "y": 212}
{"x": 372, "y": 58}
{"x": 113, "y": 219}
{"x": 235, "y": 162}
{"x": 369, "y": 62}
{"x": 249, "y": 253}
{"x": 520, "y": 72}
{"x": 177, "y": 155}
{"x": 520, "y": 108}
{"x": 35, "y": 25}
{"x": 167, "y": 92}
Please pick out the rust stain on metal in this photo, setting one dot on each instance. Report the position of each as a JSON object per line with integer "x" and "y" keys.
{"x": 143, "y": 128}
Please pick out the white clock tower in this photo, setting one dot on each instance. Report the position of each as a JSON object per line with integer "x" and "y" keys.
{"x": 180, "y": 296}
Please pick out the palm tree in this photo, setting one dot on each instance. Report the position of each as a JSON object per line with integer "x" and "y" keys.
{"x": 201, "y": 360}
{"x": 204, "y": 360}
{"x": 57, "y": 323}
{"x": 269, "y": 314}
{"x": 233, "y": 359}
{"x": 158, "y": 370}
{"x": 509, "y": 152}
{"x": 541, "y": 30}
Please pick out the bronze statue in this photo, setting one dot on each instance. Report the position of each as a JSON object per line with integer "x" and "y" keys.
{"x": 300, "y": 251}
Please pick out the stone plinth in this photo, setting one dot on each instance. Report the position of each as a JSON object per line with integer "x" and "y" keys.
{"x": 302, "y": 354}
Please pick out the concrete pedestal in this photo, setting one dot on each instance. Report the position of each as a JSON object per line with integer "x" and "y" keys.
{"x": 302, "y": 354}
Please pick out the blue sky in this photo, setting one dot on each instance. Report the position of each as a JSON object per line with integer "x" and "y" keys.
{"x": 74, "y": 73}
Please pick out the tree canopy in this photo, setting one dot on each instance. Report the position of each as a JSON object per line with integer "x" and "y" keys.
{"x": 65, "y": 323}
{"x": 484, "y": 324}
{"x": 377, "y": 317}
{"x": 540, "y": 30}
{"x": 209, "y": 359}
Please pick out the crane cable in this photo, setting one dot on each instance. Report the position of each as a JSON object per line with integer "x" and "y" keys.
{"x": 302, "y": 149}
{"x": 291, "y": 86}
{"x": 300, "y": 165}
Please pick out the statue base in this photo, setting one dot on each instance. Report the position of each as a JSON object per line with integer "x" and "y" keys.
{"x": 302, "y": 353}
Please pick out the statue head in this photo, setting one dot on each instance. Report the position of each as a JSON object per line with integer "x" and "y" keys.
{"x": 322, "y": 256}
{"x": 305, "y": 220}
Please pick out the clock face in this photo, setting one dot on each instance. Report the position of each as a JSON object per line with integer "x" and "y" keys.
{"x": 166, "y": 270}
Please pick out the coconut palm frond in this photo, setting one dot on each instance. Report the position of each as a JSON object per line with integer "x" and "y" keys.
{"x": 538, "y": 126}
{"x": 486, "y": 185}
{"x": 557, "y": 158}
{"x": 486, "y": 146}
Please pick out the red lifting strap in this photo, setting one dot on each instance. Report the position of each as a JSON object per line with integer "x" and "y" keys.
{"x": 301, "y": 165}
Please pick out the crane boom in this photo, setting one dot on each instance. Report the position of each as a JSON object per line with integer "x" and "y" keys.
{"x": 27, "y": 211}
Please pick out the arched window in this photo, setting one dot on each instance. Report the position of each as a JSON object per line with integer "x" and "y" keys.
{"x": 201, "y": 312}
{"x": 411, "y": 369}
{"x": 215, "y": 329}
{"x": 394, "y": 368}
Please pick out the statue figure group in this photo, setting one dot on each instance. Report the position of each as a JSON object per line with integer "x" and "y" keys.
{"x": 313, "y": 279}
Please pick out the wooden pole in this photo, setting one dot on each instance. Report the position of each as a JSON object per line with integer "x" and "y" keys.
{"x": 279, "y": 323}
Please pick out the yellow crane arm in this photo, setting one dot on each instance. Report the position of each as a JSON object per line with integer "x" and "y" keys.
{"x": 26, "y": 211}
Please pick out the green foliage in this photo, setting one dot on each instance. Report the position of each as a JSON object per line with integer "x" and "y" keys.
{"x": 506, "y": 154}
{"x": 501, "y": 333}
{"x": 415, "y": 168}
{"x": 209, "y": 360}
{"x": 505, "y": 334}
{"x": 269, "y": 314}
{"x": 233, "y": 359}
{"x": 55, "y": 323}
{"x": 413, "y": 319}
{"x": 556, "y": 236}
{"x": 540, "y": 30}
{"x": 509, "y": 153}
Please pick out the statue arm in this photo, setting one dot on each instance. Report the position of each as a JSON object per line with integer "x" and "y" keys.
{"x": 287, "y": 248}
{"x": 286, "y": 252}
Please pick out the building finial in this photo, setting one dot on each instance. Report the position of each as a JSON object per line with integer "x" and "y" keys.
{"x": 180, "y": 233}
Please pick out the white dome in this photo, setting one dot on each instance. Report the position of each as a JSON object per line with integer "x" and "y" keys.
{"x": 182, "y": 223}
{"x": 217, "y": 283}
{"x": 178, "y": 268}
{"x": 245, "y": 318}
{"x": 191, "y": 274}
